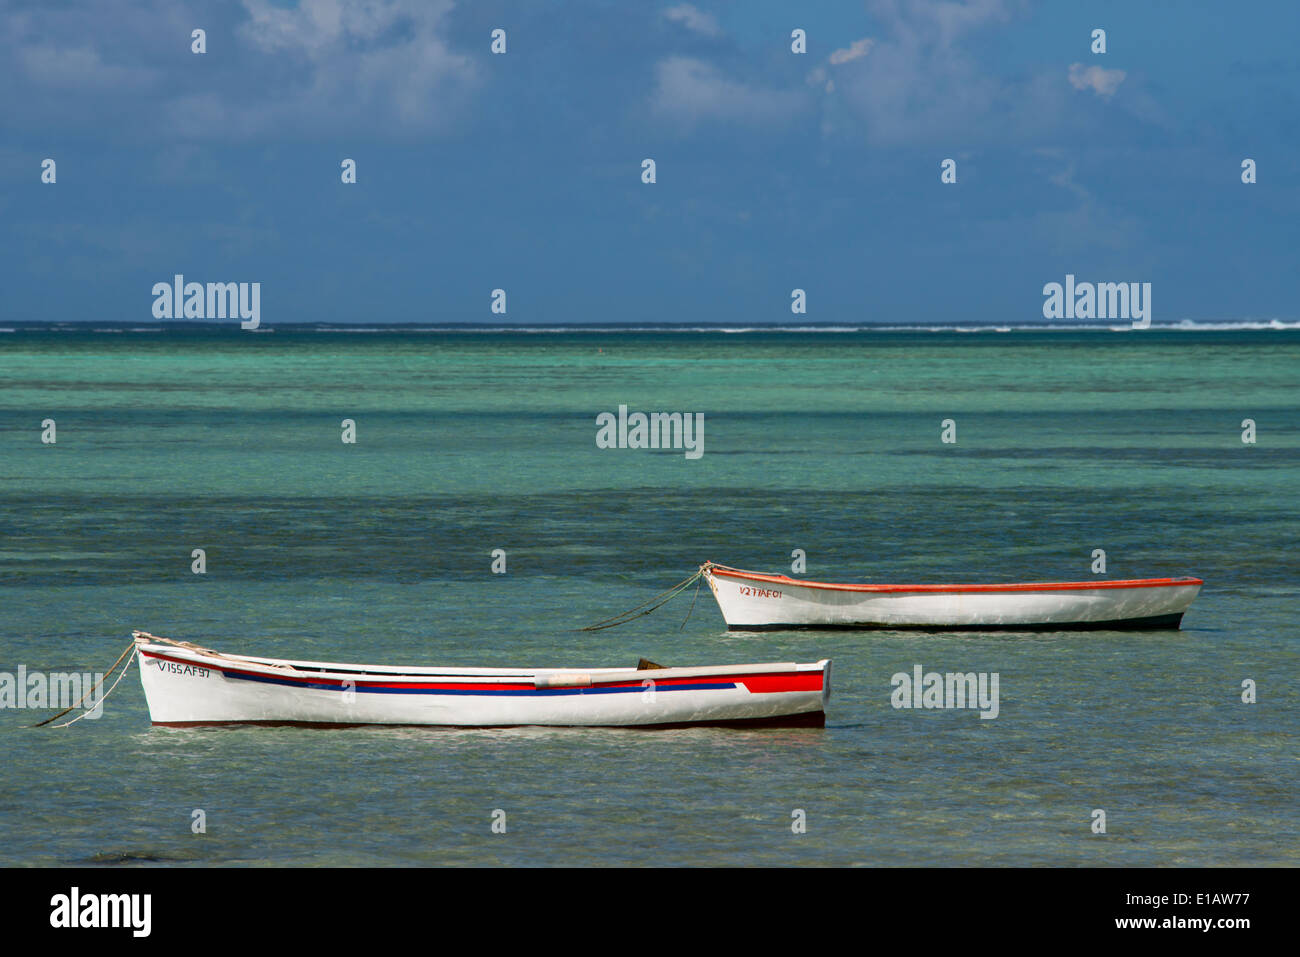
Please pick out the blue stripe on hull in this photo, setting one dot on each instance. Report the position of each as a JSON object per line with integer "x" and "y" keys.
{"x": 509, "y": 692}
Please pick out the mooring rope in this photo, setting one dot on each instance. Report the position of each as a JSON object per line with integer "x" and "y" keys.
{"x": 655, "y": 603}
{"x": 699, "y": 581}
{"x": 130, "y": 649}
{"x": 121, "y": 674}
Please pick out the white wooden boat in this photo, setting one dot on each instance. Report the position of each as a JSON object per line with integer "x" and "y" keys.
{"x": 186, "y": 685}
{"x": 752, "y": 601}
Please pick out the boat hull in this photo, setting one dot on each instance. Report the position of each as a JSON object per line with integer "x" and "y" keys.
{"x": 751, "y": 601}
{"x": 186, "y": 687}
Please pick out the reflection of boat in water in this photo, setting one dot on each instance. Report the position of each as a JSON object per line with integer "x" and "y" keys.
{"x": 188, "y": 685}
{"x": 750, "y": 600}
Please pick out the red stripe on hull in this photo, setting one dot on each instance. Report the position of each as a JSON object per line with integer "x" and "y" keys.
{"x": 724, "y": 572}
{"x": 775, "y": 684}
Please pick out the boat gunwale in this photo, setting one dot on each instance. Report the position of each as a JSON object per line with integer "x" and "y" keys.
{"x": 319, "y": 671}
{"x": 726, "y": 571}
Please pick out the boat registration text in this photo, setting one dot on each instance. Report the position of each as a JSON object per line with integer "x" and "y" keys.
{"x": 192, "y": 671}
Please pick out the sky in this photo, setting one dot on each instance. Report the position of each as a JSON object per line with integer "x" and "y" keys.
{"x": 775, "y": 170}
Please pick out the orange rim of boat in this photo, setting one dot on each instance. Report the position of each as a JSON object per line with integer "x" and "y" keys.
{"x": 728, "y": 572}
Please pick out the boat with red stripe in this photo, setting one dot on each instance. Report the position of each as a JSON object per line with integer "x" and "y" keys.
{"x": 753, "y": 601}
{"x": 188, "y": 685}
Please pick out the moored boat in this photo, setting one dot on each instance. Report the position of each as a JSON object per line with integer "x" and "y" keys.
{"x": 752, "y": 601}
{"x": 187, "y": 685}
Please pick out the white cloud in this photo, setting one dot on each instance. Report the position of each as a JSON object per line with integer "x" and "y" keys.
{"x": 1100, "y": 81}
{"x": 819, "y": 77}
{"x": 917, "y": 83}
{"x": 379, "y": 67}
{"x": 693, "y": 19}
{"x": 318, "y": 28}
{"x": 1064, "y": 178}
{"x": 691, "y": 90}
{"x": 79, "y": 68}
{"x": 856, "y": 49}
{"x": 381, "y": 61}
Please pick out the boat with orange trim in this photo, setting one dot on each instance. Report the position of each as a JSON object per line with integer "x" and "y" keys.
{"x": 752, "y": 601}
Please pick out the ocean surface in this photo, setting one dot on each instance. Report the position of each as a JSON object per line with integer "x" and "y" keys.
{"x": 828, "y": 441}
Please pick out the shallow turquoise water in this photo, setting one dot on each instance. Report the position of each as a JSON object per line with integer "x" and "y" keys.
{"x": 380, "y": 551}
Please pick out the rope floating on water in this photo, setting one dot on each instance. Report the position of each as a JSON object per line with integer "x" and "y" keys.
{"x": 126, "y": 656}
{"x": 655, "y": 603}
{"x": 116, "y": 682}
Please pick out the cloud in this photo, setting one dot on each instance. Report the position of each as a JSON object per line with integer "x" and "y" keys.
{"x": 694, "y": 20}
{"x": 690, "y": 90}
{"x": 1100, "y": 81}
{"x": 918, "y": 84}
{"x": 383, "y": 60}
{"x": 856, "y": 49}
{"x": 79, "y": 68}
{"x": 1064, "y": 178}
{"x": 380, "y": 67}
